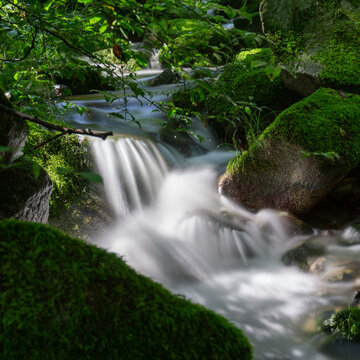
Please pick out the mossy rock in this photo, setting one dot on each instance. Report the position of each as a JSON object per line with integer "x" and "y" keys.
{"x": 302, "y": 155}
{"x": 320, "y": 39}
{"x": 246, "y": 87}
{"x": 25, "y": 190}
{"x": 85, "y": 303}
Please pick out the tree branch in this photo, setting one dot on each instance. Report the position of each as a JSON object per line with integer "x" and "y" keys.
{"x": 63, "y": 129}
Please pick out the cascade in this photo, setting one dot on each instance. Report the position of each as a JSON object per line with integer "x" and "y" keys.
{"x": 131, "y": 169}
{"x": 173, "y": 226}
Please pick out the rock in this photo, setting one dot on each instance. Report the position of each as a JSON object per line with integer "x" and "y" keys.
{"x": 340, "y": 274}
{"x": 356, "y": 299}
{"x": 317, "y": 41}
{"x": 318, "y": 265}
{"x": 54, "y": 286}
{"x": 304, "y": 153}
{"x": 164, "y": 78}
{"x": 13, "y": 132}
{"x": 302, "y": 253}
{"x": 23, "y": 195}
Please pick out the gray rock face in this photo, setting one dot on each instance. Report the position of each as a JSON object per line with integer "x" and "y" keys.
{"x": 23, "y": 196}
{"x": 13, "y": 132}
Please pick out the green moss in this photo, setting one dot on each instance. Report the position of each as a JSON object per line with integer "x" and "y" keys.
{"x": 68, "y": 153}
{"x": 344, "y": 325}
{"x": 241, "y": 84}
{"x": 285, "y": 45}
{"x": 326, "y": 121}
{"x": 61, "y": 298}
{"x": 341, "y": 65}
{"x": 249, "y": 57}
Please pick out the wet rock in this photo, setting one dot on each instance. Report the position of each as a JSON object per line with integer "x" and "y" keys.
{"x": 25, "y": 191}
{"x": 164, "y": 78}
{"x": 356, "y": 300}
{"x": 318, "y": 266}
{"x": 340, "y": 274}
{"x": 302, "y": 253}
{"x": 300, "y": 157}
{"x": 13, "y": 132}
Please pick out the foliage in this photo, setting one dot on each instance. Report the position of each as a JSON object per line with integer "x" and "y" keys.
{"x": 344, "y": 325}
{"x": 85, "y": 303}
{"x": 63, "y": 159}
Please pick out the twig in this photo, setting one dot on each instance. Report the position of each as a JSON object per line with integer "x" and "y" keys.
{"x": 63, "y": 129}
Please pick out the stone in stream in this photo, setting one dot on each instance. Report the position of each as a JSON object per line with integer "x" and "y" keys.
{"x": 164, "y": 78}
{"x": 317, "y": 42}
{"x": 304, "y": 153}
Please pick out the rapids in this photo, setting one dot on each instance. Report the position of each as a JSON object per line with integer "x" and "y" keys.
{"x": 172, "y": 225}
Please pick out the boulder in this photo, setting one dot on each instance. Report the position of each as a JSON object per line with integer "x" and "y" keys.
{"x": 164, "y": 78}
{"x": 304, "y": 153}
{"x": 25, "y": 190}
{"x": 85, "y": 303}
{"x": 13, "y": 132}
{"x": 317, "y": 42}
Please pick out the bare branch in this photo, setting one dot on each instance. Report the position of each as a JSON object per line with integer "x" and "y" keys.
{"x": 63, "y": 129}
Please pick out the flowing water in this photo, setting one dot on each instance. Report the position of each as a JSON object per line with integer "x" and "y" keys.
{"x": 172, "y": 225}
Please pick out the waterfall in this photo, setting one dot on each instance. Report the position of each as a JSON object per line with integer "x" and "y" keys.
{"x": 154, "y": 63}
{"x": 132, "y": 171}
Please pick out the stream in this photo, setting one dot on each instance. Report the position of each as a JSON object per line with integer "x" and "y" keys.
{"x": 172, "y": 225}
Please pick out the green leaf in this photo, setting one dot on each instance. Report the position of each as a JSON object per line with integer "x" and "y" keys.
{"x": 95, "y": 20}
{"x": 48, "y": 4}
{"x": 103, "y": 28}
{"x": 272, "y": 71}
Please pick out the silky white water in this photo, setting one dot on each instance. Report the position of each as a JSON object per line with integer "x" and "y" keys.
{"x": 172, "y": 225}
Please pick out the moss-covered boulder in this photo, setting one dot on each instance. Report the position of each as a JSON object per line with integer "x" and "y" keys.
{"x": 244, "y": 83}
{"x": 25, "y": 190}
{"x": 316, "y": 39}
{"x": 13, "y": 132}
{"x": 303, "y": 154}
{"x": 61, "y": 299}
